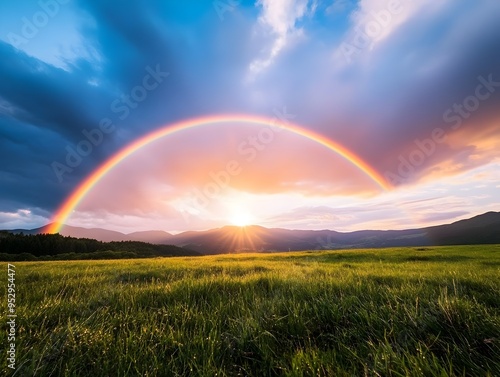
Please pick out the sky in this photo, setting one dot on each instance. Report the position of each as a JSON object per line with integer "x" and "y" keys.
{"x": 412, "y": 88}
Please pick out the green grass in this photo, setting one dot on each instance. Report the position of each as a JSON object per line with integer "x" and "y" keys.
{"x": 390, "y": 312}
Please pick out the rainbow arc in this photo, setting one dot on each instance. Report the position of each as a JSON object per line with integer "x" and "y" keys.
{"x": 72, "y": 201}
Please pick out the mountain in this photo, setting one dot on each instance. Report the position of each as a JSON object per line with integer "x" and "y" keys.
{"x": 104, "y": 235}
{"x": 150, "y": 236}
{"x": 482, "y": 229}
{"x": 96, "y": 233}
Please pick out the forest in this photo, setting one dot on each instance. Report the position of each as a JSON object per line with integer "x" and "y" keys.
{"x": 25, "y": 247}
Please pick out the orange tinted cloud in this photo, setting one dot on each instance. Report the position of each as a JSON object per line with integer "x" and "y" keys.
{"x": 169, "y": 168}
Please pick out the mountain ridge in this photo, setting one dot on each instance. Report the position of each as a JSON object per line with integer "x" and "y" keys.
{"x": 480, "y": 229}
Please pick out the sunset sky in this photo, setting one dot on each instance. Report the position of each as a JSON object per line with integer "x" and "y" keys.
{"x": 411, "y": 89}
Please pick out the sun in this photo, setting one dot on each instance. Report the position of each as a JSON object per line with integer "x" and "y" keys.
{"x": 241, "y": 219}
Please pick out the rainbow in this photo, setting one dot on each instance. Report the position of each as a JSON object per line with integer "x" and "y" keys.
{"x": 72, "y": 201}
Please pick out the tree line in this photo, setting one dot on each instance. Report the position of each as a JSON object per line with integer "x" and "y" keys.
{"x": 55, "y": 246}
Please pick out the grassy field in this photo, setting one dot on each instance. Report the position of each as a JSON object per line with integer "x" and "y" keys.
{"x": 391, "y": 312}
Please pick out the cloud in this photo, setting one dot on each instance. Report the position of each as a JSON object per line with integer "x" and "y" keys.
{"x": 23, "y": 219}
{"x": 397, "y": 91}
{"x": 280, "y": 17}
{"x": 153, "y": 208}
{"x": 389, "y": 14}
{"x": 337, "y": 6}
{"x": 454, "y": 215}
{"x": 407, "y": 81}
{"x": 44, "y": 108}
{"x": 373, "y": 22}
{"x": 221, "y": 158}
{"x": 310, "y": 215}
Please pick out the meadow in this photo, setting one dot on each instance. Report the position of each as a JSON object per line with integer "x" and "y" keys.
{"x": 378, "y": 312}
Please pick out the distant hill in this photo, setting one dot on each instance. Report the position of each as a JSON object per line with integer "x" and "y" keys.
{"x": 482, "y": 229}
{"x": 150, "y": 236}
{"x": 104, "y": 235}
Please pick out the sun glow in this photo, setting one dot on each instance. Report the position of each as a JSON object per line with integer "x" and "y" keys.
{"x": 241, "y": 219}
